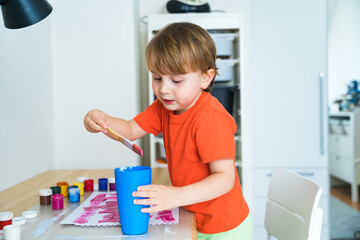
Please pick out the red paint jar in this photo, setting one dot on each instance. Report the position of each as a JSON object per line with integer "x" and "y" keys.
{"x": 89, "y": 185}
{"x": 5, "y": 219}
{"x": 57, "y": 201}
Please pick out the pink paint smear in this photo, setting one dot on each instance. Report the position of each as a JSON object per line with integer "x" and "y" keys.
{"x": 101, "y": 204}
{"x": 106, "y": 204}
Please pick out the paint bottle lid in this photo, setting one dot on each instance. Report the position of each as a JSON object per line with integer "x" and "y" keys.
{"x": 103, "y": 180}
{"x": 62, "y": 184}
{"x": 12, "y": 231}
{"x": 57, "y": 197}
{"x": 89, "y": 182}
{"x": 45, "y": 192}
{"x": 111, "y": 180}
{"x": 82, "y": 179}
{"x": 29, "y": 214}
{"x": 19, "y": 221}
{"x": 56, "y": 190}
{"x": 74, "y": 190}
{"x": 5, "y": 216}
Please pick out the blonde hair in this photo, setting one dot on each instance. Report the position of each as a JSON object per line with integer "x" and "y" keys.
{"x": 180, "y": 48}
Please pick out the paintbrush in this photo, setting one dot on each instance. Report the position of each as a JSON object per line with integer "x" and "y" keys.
{"x": 132, "y": 146}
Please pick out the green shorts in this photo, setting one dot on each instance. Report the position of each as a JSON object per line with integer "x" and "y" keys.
{"x": 241, "y": 232}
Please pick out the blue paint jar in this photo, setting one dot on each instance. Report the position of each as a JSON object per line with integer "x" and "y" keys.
{"x": 103, "y": 182}
{"x": 74, "y": 195}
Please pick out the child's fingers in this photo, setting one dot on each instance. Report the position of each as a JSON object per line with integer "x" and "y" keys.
{"x": 101, "y": 122}
{"x": 95, "y": 127}
{"x": 151, "y": 187}
{"x": 151, "y": 209}
{"x": 144, "y": 194}
{"x": 148, "y": 201}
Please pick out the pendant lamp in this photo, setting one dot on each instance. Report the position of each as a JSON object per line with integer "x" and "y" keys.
{"x": 23, "y": 13}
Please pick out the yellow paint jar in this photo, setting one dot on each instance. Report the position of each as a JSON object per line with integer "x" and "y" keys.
{"x": 64, "y": 188}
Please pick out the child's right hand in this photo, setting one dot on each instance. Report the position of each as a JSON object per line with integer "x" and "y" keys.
{"x": 95, "y": 121}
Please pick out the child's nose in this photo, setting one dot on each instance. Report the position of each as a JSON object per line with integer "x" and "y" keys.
{"x": 164, "y": 88}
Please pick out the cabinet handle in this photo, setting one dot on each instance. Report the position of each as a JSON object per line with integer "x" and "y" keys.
{"x": 321, "y": 105}
{"x": 305, "y": 174}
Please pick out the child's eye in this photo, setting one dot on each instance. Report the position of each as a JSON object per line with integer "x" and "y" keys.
{"x": 157, "y": 78}
{"x": 176, "y": 81}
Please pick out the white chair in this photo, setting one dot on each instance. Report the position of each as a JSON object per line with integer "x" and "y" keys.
{"x": 292, "y": 211}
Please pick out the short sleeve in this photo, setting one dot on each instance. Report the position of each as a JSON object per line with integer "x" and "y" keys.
{"x": 150, "y": 119}
{"x": 215, "y": 137}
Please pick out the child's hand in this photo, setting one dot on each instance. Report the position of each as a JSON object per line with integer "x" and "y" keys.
{"x": 95, "y": 121}
{"x": 159, "y": 197}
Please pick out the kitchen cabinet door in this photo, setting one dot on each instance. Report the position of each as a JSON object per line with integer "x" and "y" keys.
{"x": 288, "y": 83}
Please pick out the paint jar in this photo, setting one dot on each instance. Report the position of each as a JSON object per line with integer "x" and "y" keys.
{"x": 80, "y": 185}
{"x": 45, "y": 196}
{"x": 133, "y": 221}
{"x": 55, "y": 190}
{"x": 72, "y": 186}
{"x": 88, "y": 185}
{"x": 29, "y": 214}
{"x": 57, "y": 201}
{"x": 64, "y": 188}
{"x": 5, "y": 219}
{"x": 74, "y": 195}
{"x": 103, "y": 182}
{"x": 82, "y": 179}
{"x": 19, "y": 221}
{"x": 12, "y": 232}
{"x": 1, "y": 234}
{"x": 112, "y": 185}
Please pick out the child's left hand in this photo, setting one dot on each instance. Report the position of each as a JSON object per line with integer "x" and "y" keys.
{"x": 159, "y": 197}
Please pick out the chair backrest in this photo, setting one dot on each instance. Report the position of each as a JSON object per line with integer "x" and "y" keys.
{"x": 292, "y": 210}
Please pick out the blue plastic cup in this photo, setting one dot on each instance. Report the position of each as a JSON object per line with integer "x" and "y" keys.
{"x": 128, "y": 179}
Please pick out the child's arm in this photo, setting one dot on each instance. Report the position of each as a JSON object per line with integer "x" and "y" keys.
{"x": 97, "y": 121}
{"x": 162, "y": 197}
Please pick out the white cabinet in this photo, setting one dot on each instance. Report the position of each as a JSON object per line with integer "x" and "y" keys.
{"x": 288, "y": 87}
{"x": 344, "y": 148}
{"x": 225, "y": 29}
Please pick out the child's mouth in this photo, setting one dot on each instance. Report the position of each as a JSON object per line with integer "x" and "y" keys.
{"x": 168, "y": 101}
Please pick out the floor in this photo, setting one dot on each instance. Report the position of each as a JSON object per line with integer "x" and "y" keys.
{"x": 345, "y": 214}
{"x": 343, "y": 193}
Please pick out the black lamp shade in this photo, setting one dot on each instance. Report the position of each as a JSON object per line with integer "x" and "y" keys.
{"x": 23, "y": 13}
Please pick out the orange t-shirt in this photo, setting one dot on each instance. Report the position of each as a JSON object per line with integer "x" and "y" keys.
{"x": 202, "y": 134}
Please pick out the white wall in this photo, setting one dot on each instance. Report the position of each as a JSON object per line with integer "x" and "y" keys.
{"x": 344, "y": 45}
{"x": 79, "y": 58}
{"x": 26, "y": 116}
{"x": 94, "y": 67}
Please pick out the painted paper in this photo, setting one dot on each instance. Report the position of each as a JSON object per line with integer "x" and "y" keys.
{"x": 100, "y": 209}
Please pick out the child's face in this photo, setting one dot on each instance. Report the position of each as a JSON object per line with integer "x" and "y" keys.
{"x": 178, "y": 93}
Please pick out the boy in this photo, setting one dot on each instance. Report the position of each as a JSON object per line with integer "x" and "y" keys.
{"x": 198, "y": 134}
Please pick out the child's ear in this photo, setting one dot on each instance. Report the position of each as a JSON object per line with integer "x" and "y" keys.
{"x": 207, "y": 77}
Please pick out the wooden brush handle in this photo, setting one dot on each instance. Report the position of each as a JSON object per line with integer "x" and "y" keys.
{"x": 121, "y": 138}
